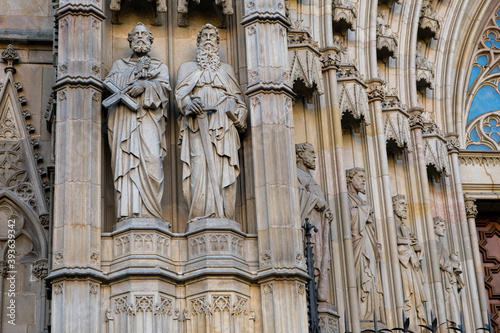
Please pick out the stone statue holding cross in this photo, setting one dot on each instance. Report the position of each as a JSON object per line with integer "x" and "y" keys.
{"x": 136, "y": 127}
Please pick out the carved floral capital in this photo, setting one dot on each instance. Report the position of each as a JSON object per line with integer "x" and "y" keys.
{"x": 416, "y": 119}
{"x": 375, "y": 90}
{"x": 40, "y": 268}
{"x": 470, "y": 208}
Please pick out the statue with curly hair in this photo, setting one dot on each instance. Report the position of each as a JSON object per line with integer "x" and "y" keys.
{"x": 137, "y": 134}
{"x": 212, "y": 113}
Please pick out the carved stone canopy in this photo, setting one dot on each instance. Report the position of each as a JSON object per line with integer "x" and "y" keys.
{"x": 386, "y": 47}
{"x": 389, "y": 3}
{"x": 428, "y": 26}
{"x": 435, "y": 148}
{"x": 396, "y": 123}
{"x": 344, "y": 16}
{"x": 304, "y": 57}
{"x": 353, "y": 99}
{"x": 156, "y": 7}
{"x": 223, "y": 8}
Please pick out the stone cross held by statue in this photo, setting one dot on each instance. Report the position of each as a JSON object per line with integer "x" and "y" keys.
{"x": 119, "y": 95}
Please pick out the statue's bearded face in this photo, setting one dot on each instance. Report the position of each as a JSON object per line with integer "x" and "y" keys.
{"x": 208, "y": 40}
{"x": 359, "y": 182}
{"x": 309, "y": 158}
{"x": 140, "y": 42}
{"x": 207, "y": 55}
{"x": 400, "y": 208}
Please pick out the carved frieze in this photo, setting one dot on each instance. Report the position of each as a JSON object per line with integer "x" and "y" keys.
{"x": 304, "y": 57}
{"x": 215, "y": 244}
{"x": 141, "y": 242}
{"x": 343, "y": 16}
{"x": 435, "y": 148}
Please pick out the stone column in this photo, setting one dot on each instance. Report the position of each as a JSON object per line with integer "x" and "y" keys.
{"x": 376, "y": 93}
{"x": 331, "y": 62}
{"x": 77, "y": 214}
{"x": 471, "y": 212}
{"x": 468, "y": 255}
{"x": 416, "y": 125}
{"x": 282, "y": 265}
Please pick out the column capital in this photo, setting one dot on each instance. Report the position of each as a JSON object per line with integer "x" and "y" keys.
{"x": 375, "y": 90}
{"x": 470, "y": 207}
{"x": 452, "y": 142}
{"x": 416, "y": 118}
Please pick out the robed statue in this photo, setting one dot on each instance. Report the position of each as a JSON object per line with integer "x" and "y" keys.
{"x": 451, "y": 275}
{"x": 366, "y": 247}
{"x": 410, "y": 256}
{"x": 313, "y": 205}
{"x": 212, "y": 113}
{"x": 136, "y": 127}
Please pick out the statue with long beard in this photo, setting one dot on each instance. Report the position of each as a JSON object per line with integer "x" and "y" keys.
{"x": 212, "y": 112}
{"x": 137, "y": 137}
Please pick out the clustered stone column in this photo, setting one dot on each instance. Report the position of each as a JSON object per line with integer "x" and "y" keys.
{"x": 282, "y": 270}
{"x": 76, "y": 272}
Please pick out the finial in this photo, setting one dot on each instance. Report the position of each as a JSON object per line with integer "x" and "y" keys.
{"x": 10, "y": 55}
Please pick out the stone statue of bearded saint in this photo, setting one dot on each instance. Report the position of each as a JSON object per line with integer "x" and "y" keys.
{"x": 410, "y": 255}
{"x": 366, "y": 247}
{"x": 212, "y": 113}
{"x": 137, "y": 138}
{"x": 314, "y": 206}
{"x": 451, "y": 271}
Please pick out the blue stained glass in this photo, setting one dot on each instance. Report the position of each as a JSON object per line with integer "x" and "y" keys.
{"x": 474, "y": 136}
{"x": 478, "y": 147}
{"x": 486, "y": 99}
{"x": 498, "y": 13}
{"x": 495, "y": 70}
{"x": 498, "y": 22}
{"x": 482, "y": 60}
{"x": 486, "y": 129}
{"x": 495, "y": 137}
{"x": 474, "y": 73}
{"x": 493, "y": 122}
{"x": 494, "y": 129}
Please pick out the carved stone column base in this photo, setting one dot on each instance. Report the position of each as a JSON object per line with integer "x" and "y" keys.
{"x": 212, "y": 223}
{"x": 142, "y": 223}
{"x": 328, "y": 318}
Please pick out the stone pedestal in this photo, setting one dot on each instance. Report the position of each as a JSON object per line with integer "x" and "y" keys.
{"x": 212, "y": 223}
{"x": 328, "y": 318}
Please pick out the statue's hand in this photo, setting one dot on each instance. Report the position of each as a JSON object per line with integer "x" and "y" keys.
{"x": 240, "y": 119}
{"x": 137, "y": 88}
{"x": 195, "y": 107}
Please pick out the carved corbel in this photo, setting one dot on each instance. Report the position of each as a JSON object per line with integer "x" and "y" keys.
{"x": 344, "y": 16}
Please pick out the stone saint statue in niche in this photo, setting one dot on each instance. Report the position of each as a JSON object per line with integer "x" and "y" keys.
{"x": 314, "y": 206}
{"x": 451, "y": 271}
{"x": 366, "y": 247}
{"x": 410, "y": 256}
{"x": 136, "y": 127}
{"x": 212, "y": 112}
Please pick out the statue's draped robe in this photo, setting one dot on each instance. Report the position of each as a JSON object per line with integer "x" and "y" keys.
{"x": 365, "y": 246}
{"x": 310, "y": 197}
{"x": 409, "y": 249}
{"x": 213, "y": 88}
{"x": 451, "y": 284}
{"x": 137, "y": 141}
